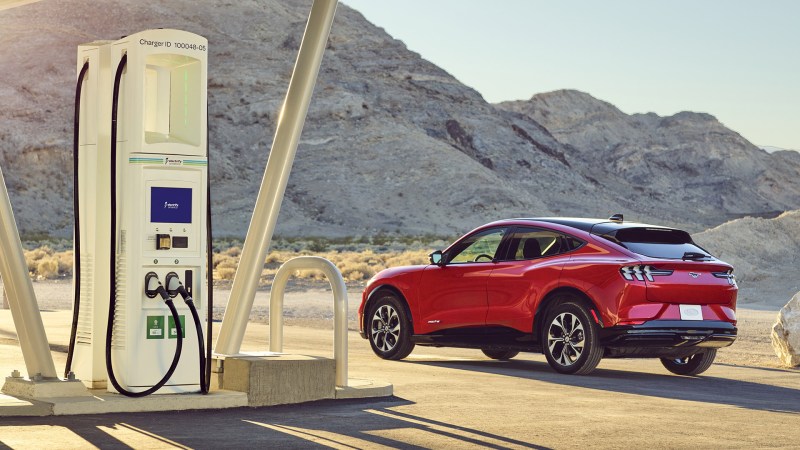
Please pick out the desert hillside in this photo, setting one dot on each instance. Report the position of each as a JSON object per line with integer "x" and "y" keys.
{"x": 765, "y": 254}
{"x": 393, "y": 144}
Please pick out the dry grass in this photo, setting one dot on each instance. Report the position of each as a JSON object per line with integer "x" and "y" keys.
{"x": 44, "y": 263}
{"x": 354, "y": 265}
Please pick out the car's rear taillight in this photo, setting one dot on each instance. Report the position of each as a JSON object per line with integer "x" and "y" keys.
{"x": 727, "y": 275}
{"x": 642, "y": 272}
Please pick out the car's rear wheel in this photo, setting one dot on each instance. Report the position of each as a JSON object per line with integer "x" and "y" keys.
{"x": 389, "y": 327}
{"x": 570, "y": 340}
{"x": 502, "y": 355}
{"x": 691, "y": 365}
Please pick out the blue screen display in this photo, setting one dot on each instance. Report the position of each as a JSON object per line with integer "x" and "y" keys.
{"x": 170, "y": 205}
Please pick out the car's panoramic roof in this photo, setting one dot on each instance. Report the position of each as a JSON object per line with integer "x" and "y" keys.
{"x": 595, "y": 226}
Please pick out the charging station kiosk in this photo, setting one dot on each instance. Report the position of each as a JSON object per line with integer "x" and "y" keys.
{"x": 143, "y": 112}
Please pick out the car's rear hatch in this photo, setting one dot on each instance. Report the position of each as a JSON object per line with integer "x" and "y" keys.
{"x": 674, "y": 268}
{"x": 691, "y": 282}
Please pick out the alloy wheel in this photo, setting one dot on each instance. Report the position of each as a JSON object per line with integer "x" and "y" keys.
{"x": 565, "y": 338}
{"x": 385, "y": 328}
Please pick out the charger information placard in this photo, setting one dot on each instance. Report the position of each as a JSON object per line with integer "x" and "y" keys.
{"x": 155, "y": 327}
{"x": 170, "y": 205}
{"x": 173, "y": 330}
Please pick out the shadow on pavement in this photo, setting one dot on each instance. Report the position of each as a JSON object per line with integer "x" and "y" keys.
{"x": 325, "y": 424}
{"x": 708, "y": 389}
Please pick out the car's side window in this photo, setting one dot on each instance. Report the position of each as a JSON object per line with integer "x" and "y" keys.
{"x": 573, "y": 243}
{"x": 531, "y": 243}
{"x": 480, "y": 247}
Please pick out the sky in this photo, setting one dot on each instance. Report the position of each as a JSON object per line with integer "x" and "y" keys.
{"x": 737, "y": 60}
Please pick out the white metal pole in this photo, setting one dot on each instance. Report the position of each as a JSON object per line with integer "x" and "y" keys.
{"x": 276, "y": 175}
{"x": 339, "y": 312}
{"x": 24, "y": 308}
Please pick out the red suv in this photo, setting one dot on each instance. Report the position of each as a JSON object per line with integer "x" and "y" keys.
{"x": 577, "y": 290}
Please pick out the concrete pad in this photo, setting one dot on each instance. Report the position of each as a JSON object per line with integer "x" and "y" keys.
{"x": 279, "y": 379}
{"x": 361, "y": 388}
{"x": 19, "y": 407}
{"x": 102, "y": 402}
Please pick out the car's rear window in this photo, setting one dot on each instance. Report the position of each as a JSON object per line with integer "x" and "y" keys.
{"x": 656, "y": 242}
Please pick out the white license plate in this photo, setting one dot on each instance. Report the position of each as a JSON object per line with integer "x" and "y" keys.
{"x": 691, "y": 312}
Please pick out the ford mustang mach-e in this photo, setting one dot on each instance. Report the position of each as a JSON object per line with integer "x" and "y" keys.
{"x": 577, "y": 290}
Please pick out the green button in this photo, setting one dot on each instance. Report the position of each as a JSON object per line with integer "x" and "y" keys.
{"x": 155, "y": 327}
{"x": 173, "y": 331}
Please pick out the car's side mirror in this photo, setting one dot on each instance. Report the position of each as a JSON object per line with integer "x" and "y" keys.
{"x": 437, "y": 258}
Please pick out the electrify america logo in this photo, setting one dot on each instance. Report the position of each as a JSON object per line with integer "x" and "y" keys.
{"x": 173, "y": 162}
{"x": 168, "y": 205}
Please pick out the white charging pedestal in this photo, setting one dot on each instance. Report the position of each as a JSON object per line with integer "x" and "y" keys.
{"x": 161, "y": 173}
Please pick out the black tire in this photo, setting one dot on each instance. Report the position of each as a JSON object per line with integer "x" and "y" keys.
{"x": 502, "y": 355}
{"x": 570, "y": 340}
{"x": 389, "y": 327}
{"x": 691, "y": 365}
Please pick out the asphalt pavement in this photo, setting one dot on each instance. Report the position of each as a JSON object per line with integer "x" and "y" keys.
{"x": 456, "y": 398}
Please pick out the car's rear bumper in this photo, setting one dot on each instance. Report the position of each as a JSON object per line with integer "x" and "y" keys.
{"x": 667, "y": 337}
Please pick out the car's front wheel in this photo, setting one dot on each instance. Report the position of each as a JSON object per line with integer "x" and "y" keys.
{"x": 691, "y": 365}
{"x": 389, "y": 328}
{"x": 570, "y": 339}
{"x": 501, "y": 355}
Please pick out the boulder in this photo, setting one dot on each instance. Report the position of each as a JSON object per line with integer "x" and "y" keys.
{"x": 786, "y": 333}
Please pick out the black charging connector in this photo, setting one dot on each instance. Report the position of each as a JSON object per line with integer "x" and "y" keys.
{"x": 175, "y": 287}
{"x": 153, "y": 287}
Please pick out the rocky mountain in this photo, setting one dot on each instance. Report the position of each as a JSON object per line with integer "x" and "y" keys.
{"x": 392, "y": 144}
{"x": 688, "y": 159}
{"x": 773, "y": 149}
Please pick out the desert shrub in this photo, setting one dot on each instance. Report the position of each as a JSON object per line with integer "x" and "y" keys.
{"x": 355, "y": 276}
{"x": 357, "y": 271}
{"x": 47, "y": 267}
{"x": 407, "y": 258}
{"x": 317, "y": 245}
{"x": 45, "y": 263}
{"x": 65, "y": 260}
{"x": 233, "y": 252}
{"x": 224, "y": 273}
{"x": 311, "y": 274}
{"x": 225, "y": 266}
{"x": 32, "y": 257}
{"x": 273, "y": 258}
{"x": 224, "y": 261}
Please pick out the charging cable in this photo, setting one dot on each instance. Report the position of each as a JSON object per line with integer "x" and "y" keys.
{"x": 175, "y": 287}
